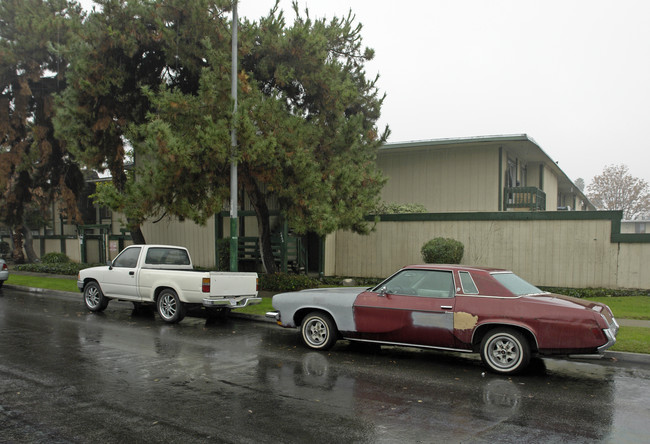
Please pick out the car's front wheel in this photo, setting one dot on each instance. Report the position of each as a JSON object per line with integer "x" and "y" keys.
{"x": 94, "y": 298}
{"x": 170, "y": 307}
{"x": 318, "y": 331}
{"x": 505, "y": 351}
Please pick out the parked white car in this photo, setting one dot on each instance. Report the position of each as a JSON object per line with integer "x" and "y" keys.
{"x": 164, "y": 275}
{"x": 4, "y": 272}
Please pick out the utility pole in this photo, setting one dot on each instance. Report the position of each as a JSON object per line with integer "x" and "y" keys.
{"x": 234, "y": 223}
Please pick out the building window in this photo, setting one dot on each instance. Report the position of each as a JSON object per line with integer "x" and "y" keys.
{"x": 639, "y": 227}
{"x": 104, "y": 213}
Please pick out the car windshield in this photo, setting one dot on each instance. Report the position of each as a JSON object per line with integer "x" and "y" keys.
{"x": 516, "y": 284}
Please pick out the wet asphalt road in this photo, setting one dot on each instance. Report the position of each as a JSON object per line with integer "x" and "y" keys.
{"x": 67, "y": 375}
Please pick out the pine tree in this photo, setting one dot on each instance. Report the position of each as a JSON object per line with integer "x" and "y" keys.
{"x": 35, "y": 168}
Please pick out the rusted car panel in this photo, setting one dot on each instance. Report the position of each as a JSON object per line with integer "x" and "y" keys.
{"x": 473, "y": 309}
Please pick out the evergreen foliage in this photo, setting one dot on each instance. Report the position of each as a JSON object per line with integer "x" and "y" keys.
{"x": 35, "y": 167}
{"x": 306, "y": 131}
{"x": 143, "y": 91}
{"x": 442, "y": 250}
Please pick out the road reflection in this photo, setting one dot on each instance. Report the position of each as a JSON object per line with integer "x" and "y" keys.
{"x": 404, "y": 392}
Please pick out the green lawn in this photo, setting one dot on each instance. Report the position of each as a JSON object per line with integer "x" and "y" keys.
{"x": 259, "y": 309}
{"x": 628, "y": 307}
{"x": 50, "y": 283}
{"x": 633, "y": 339}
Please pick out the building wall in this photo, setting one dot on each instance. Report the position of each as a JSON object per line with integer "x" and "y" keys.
{"x": 550, "y": 188}
{"x": 443, "y": 179}
{"x": 199, "y": 240}
{"x": 551, "y": 248}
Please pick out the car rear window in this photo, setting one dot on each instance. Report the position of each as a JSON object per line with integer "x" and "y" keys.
{"x": 167, "y": 256}
{"x": 515, "y": 284}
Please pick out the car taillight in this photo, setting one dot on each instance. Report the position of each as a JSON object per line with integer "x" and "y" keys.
{"x": 4, "y": 267}
{"x": 257, "y": 284}
{"x": 205, "y": 287}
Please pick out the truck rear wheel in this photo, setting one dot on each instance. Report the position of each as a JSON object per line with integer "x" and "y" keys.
{"x": 94, "y": 298}
{"x": 170, "y": 307}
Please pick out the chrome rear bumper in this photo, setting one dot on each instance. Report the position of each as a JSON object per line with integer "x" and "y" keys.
{"x": 239, "y": 302}
{"x": 610, "y": 333}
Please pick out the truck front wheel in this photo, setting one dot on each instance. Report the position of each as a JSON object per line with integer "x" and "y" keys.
{"x": 170, "y": 307}
{"x": 94, "y": 298}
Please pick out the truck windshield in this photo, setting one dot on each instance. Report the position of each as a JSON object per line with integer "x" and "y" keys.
{"x": 516, "y": 284}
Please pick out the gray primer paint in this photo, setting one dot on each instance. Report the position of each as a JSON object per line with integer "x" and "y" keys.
{"x": 337, "y": 302}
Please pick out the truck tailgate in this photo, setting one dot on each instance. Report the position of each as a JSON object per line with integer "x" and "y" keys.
{"x": 229, "y": 284}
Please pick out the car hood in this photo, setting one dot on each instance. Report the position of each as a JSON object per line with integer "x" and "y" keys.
{"x": 93, "y": 269}
{"x": 334, "y": 290}
{"x": 317, "y": 297}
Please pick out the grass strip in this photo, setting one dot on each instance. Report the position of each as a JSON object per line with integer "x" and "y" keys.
{"x": 627, "y": 307}
{"x": 633, "y": 340}
{"x": 49, "y": 283}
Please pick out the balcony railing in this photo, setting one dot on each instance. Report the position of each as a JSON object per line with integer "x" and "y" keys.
{"x": 530, "y": 198}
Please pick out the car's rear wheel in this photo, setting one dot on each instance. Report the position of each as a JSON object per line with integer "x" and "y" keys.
{"x": 94, "y": 298}
{"x": 318, "y": 331}
{"x": 170, "y": 307}
{"x": 505, "y": 351}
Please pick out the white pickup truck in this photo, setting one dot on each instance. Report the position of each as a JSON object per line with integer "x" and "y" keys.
{"x": 163, "y": 275}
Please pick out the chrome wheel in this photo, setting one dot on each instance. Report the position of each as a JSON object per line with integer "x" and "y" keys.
{"x": 318, "y": 331}
{"x": 505, "y": 351}
{"x": 94, "y": 298}
{"x": 170, "y": 307}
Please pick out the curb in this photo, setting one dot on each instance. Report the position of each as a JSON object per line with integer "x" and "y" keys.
{"x": 609, "y": 357}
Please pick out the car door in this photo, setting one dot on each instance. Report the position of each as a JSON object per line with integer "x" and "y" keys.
{"x": 415, "y": 306}
{"x": 120, "y": 278}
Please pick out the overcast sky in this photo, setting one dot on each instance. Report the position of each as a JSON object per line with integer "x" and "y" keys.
{"x": 573, "y": 75}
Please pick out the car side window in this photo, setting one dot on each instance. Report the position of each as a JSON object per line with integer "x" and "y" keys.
{"x": 128, "y": 258}
{"x": 469, "y": 287}
{"x": 426, "y": 283}
{"x": 437, "y": 284}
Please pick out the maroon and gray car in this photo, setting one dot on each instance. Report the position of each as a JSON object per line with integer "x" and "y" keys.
{"x": 452, "y": 307}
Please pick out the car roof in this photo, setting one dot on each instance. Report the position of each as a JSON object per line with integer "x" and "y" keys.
{"x": 457, "y": 267}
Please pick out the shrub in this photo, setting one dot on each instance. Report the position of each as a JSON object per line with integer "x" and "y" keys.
{"x": 287, "y": 282}
{"x": 596, "y": 292}
{"x": 69, "y": 268}
{"x": 224, "y": 255}
{"x": 55, "y": 258}
{"x": 336, "y": 281}
{"x": 396, "y": 208}
{"x": 442, "y": 251}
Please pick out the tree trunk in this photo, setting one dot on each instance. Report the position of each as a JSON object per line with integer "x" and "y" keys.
{"x": 137, "y": 236}
{"x": 29, "y": 244}
{"x": 263, "y": 222}
{"x": 17, "y": 236}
